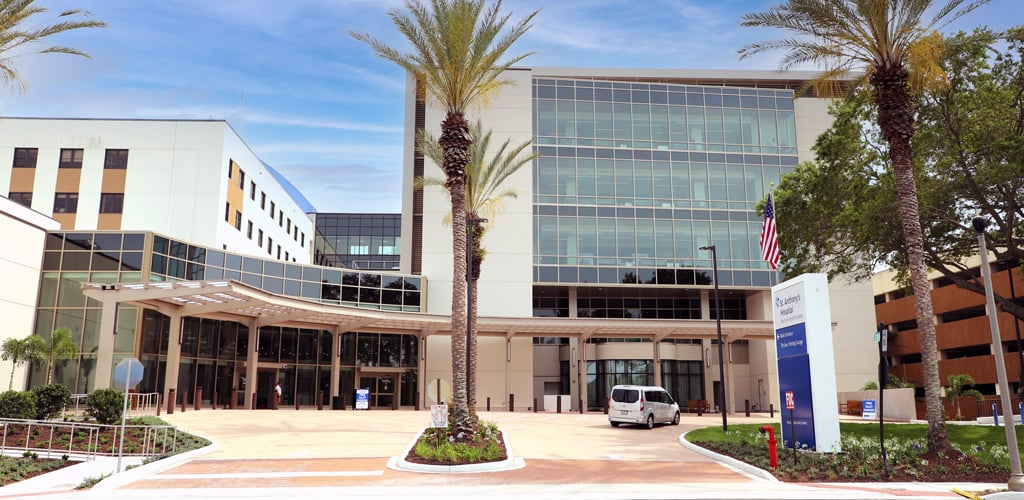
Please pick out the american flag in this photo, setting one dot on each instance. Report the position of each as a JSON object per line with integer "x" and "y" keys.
{"x": 769, "y": 238}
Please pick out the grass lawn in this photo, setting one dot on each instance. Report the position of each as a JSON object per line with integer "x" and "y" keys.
{"x": 984, "y": 450}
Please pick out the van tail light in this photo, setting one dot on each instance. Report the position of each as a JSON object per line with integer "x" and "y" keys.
{"x": 641, "y": 404}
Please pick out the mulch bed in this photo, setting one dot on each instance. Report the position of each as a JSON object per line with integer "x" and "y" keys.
{"x": 411, "y": 457}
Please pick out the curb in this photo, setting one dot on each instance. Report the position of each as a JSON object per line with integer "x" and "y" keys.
{"x": 743, "y": 467}
{"x": 120, "y": 479}
{"x": 511, "y": 463}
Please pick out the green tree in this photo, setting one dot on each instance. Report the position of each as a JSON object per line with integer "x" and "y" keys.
{"x": 21, "y": 351}
{"x": 57, "y": 349}
{"x": 485, "y": 177}
{"x": 20, "y": 32}
{"x": 897, "y": 51}
{"x": 961, "y": 386}
{"x": 457, "y": 58}
{"x": 970, "y": 151}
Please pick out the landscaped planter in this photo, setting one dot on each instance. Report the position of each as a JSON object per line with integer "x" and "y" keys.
{"x": 509, "y": 463}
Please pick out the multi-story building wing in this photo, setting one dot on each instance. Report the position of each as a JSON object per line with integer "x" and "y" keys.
{"x": 169, "y": 176}
{"x": 636, "y": 171}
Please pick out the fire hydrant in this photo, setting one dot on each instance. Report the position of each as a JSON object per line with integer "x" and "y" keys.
{"x": 773, "y": 452}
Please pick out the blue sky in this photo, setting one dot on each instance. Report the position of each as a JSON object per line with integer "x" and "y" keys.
{"x": 315, "y": 104}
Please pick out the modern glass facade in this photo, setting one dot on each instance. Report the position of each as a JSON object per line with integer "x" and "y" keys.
{"x": 358, "y": 241}
{"x": 632, "y": 178}
{"x": 213, "y": 352}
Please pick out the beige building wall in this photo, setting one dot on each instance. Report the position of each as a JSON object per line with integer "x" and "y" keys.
{"x": 22, "y": 238}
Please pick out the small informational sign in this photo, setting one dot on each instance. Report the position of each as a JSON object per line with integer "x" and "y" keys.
{"x": 790, "y": 400}
{"x": 439, "y": 416}
{"x": 868, "y": 408}
{"x": 362, "y": 399}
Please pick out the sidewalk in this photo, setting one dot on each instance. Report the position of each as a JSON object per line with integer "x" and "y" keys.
{"x": 326, "y": 454}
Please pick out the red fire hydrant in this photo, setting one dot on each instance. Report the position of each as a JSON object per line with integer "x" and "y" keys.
{"x": 773, "y": 452}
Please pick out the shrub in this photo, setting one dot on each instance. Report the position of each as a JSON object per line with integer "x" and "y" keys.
{"x": 51, "y": 400}
{"x": 105, "y": 405}
{"x": 17, "y": 404}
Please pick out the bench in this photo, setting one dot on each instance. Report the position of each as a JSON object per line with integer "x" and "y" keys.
{"x": 854, "y": 407}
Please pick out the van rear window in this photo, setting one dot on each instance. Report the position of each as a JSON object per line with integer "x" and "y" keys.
{"x": 625, "y": 395}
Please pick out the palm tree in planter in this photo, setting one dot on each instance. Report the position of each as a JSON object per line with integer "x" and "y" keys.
{"x": 457, "y": 58}
{"x": 485, "y": 176}
{"x": 897, "y": 51}
{"x": 19, "y": 30}
{"x": 961, "y": 386}
{"x": 21, "y": 351}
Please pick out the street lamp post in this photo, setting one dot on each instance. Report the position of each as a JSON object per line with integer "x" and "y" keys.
{"x": 1016, "y": 482}
{"x": 718, "y": 325}
{"x": 470, "y": 222}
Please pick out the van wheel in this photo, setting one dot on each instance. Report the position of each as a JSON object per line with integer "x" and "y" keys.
{"x": 675, "y": 419}
{"x": 650, "y": 421}
{"x": 615, "y": 424}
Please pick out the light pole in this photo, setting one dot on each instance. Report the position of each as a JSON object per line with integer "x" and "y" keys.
{"x": 470, "y": 223}
{"x": 718, "y": 325}
{"x": 1016, "y": 482}
{"x": 1016, "y": 329}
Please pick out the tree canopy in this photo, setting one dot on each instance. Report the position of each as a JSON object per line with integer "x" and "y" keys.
{"x": 969, "y": 152}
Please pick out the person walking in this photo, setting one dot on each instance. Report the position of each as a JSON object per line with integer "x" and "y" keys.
{"x": 277, "y": 395}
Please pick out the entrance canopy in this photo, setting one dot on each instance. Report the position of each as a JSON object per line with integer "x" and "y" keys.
{"x": 236, "y": 301}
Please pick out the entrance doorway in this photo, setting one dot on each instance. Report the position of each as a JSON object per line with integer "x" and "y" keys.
{"x": 383, "y": 389}
{"x": 266, "y": 378}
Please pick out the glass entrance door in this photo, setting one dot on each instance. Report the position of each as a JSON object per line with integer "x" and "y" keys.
{"x": 382, "y": 390}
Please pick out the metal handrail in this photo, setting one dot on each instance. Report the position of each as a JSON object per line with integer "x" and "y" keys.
{"x": 154, "y": 438}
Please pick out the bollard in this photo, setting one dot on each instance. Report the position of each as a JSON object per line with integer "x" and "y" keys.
{"x": 511, "y": 402}
{"x": 417, "y": 407}
{"x": 170, "y": 400}
{"x": 296, "y": 401}
{"x": 253, "y": 401}
{"x": 535, "y": 405}
{"x": 184, "y": 400}
{"x": 558, "y": 404}
{"x": 607, "y": 401}
{"x": 232, "y": 398}
{"x": 700, "y": 410}
{"x": 581, "y": 405}
{"x": 771, "y": 410}
{"x": 995, "y": 415}
{"x": 159, "y": 401}
{"x": 773, "y": 452}
{"x": 488, "y": 403}
{"x": 197, "y": 401}
{"x": 747, "y": 403}
{"x": 213, "y": 401}
{"x": 320, "y": 401}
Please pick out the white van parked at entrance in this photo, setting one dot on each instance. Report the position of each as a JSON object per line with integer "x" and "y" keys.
{"x": 644, "y": 405}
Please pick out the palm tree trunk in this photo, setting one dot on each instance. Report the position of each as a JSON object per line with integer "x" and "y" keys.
{"x": 455, "y": 141}
{"x": 896, "y": 122}
{"x": 472, "y": 347}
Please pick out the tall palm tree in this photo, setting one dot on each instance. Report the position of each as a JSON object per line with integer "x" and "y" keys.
{"x": 16, "y": 36}
{"x": 22, "y": 351}
{"x": 485, "y": 176}
{"x": 57, "y": 349}
{"x": 897, "y": 52}
{"x": 458, "y": 56}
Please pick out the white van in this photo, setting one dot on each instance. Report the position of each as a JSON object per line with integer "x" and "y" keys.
{"x": 640, "y": 404}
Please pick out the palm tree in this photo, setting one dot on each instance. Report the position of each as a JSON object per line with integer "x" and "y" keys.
{"x": 14, "y": 34}
{"x": 19, "y": 352}
{"x": 897, "y": 51}
{"x": 961, "y": 386}
{"x": 484, "y": 196}
{"x": 57, "y": 349}
{"x": 457, "y": 59}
